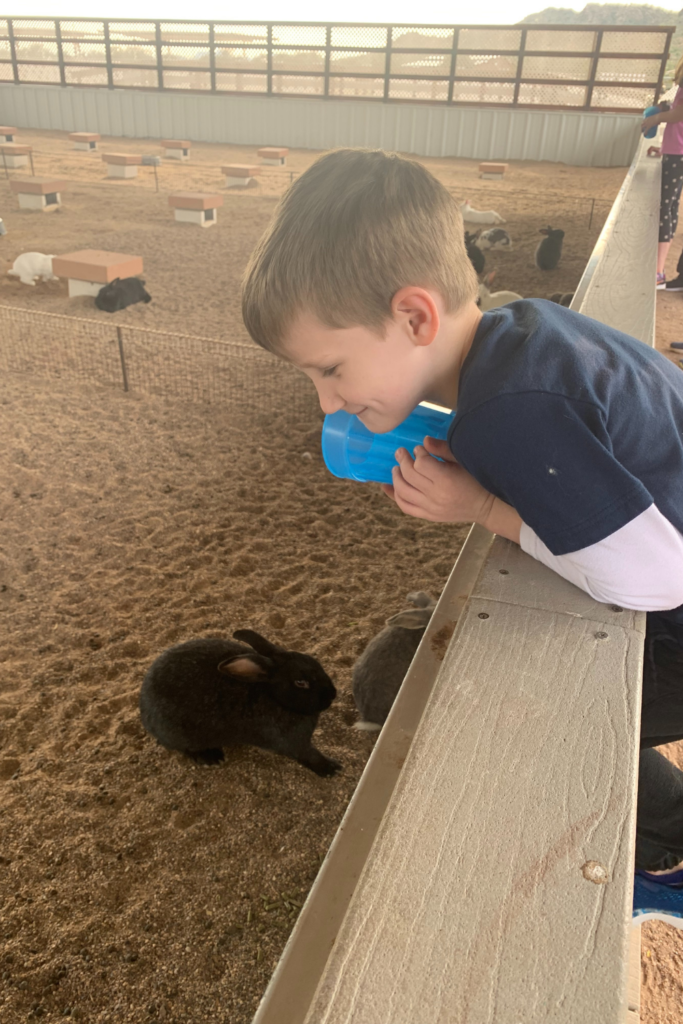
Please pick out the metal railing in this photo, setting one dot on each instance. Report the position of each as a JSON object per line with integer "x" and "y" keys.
{"x": 604, "y": 68}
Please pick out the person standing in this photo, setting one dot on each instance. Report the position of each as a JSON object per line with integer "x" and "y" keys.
{"x": 672, "y": 177}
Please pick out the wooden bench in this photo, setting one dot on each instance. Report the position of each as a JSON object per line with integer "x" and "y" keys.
{"x": 85, "y": 140}
{"x": 15, "y": 155}
{"x": 7, "y": 134}
{"x": 240, "y": 175}
{"x": 483, "y": 871}
{"x": 176, "y": 149}
{"x": 196, "y": 207}
{"x": 35, "y": 193}
{"x": 274, "y": 155}
{"x": 89, "y": 269}
{"x": 122, "y": 165}
{"x": 492, "y": 170}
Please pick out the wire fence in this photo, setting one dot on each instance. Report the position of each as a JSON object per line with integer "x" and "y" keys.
{"x": 243, "y": 379}
{"x": 593, "y": 67}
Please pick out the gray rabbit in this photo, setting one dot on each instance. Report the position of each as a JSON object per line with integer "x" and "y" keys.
{"x": 549, "y": 249}
{"x": 203, "y": 695}
{"x": 381, "y": 668}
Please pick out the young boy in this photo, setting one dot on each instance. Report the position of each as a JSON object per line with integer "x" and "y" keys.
{"x": 568, "y": 436}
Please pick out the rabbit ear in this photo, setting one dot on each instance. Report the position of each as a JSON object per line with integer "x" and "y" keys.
{"x": 245, "y": 666}
{"x": 411, "y": 618}
{"x": 258, "y": 642}
{"x": 420, "y": 599}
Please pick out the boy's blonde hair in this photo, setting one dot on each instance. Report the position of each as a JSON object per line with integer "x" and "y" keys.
{"x": 356, "y": 227}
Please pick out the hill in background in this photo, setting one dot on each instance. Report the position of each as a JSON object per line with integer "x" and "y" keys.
{"x": 617, "y": 14}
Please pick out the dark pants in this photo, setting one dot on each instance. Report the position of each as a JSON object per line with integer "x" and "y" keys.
{"x": 660, "y": 783}
{"x": 672, "y": 183}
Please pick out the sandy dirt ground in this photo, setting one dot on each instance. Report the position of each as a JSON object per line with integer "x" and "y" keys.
{"x": 135, "y": 886}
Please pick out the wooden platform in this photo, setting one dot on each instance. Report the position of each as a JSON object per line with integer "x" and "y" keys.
{"x": 122, "y": 165}
{"x": 275, "y": 155}
{"x": 7, "y": 133}
{"x": 176, "y": 149}
{"x": 88, "y": 269}
{"x": 14, "y": 154}
{"x": 488, "y": 169}
{"x": 36, "y": 193}
{"x": 85, "y": 140}
{"x": 240, "y": 174}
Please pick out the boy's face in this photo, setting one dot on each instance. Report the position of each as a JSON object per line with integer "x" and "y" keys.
{"x": 379, "y": 379}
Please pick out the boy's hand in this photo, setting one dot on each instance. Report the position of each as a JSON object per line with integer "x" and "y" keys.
{"x": 443, "y": 492}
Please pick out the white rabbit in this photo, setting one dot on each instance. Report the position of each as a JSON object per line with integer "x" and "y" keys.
{"x": 480, "y": 216}
{"x": 488, "y": 299}
{"x": 32, "y": 265}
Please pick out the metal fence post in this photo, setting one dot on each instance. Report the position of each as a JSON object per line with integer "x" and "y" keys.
{"x": 451, "y": 73}
{"x": 60, "y": 52}
{"x": 387, "y": 64}
{"x": 520, "y": 65}
{"x": 594, "y": 70}
{"x": 122, "y": 357}
{"x": 328, "y": 55}
{"x": 212, "y": 56}
{"x": 13, "y": 50}
{"x": 107, "y": 56}
{"x": 269, "y": 60}
{"x": 160, "y": 64}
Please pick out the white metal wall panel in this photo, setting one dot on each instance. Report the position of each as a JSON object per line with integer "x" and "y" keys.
{"x": 571, "y": 137}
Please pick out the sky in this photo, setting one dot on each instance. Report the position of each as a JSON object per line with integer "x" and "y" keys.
{"x": 449, "y": 12}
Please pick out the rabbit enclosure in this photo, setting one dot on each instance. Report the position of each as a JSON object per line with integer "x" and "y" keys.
{"x": 136, "y": 885}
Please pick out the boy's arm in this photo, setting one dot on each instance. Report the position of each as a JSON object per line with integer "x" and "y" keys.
{"x": 639, "y": 566}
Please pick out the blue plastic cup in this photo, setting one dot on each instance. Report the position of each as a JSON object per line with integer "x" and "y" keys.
{"x": 647, "y": 113}
{"x": 352, "y": 452}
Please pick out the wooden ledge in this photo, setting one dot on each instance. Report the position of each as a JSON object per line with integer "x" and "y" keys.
{"x": 195, "y": 200}
{"x": 84, "y": 136}
{"x": 6, "y": 130}
{"x": 15, "y": 149}
{"x": 176, "y": 144}
{"x": 38, "y": 186}
{"x": 492, "y": 168}
{"x": 96, "y": 265}
{"x": 272, "y": 152}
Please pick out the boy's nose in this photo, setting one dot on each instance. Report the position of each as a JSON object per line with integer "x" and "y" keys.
{"x": 330, "y": 402}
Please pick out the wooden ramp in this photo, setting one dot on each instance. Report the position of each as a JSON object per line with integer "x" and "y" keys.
{"x": 483, "y": 871}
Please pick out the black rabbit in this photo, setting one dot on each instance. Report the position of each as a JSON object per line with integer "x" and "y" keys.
{"x": 476, "y": 256}
{"x": 204, "y": 695}
{"x": 549, "y": 249}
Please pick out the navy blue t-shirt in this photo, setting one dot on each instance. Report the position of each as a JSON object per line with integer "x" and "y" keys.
{"x": 577, "y": 426}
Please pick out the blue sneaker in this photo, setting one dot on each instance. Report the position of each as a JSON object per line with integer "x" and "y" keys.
{"x": 658, "y": 897}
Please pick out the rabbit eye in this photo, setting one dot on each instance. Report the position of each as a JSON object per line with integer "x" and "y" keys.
{"x": 302, "y": 684}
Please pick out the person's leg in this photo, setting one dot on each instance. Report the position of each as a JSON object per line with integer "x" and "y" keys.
{"x": 659, "y": 830}
{"x": 665, "y": 216}
{"x": 662, "y": 253}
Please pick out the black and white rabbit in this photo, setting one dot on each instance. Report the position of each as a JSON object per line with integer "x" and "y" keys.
{"x": 476, "y": 256}
{"x": 549, "y": 249}
{"x": 203, "y": 695}
{"x": 381, "y": 668}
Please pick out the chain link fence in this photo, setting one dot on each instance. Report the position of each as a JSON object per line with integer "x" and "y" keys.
{"x": 618, "y": 68}
{"x": 242, "y": 378}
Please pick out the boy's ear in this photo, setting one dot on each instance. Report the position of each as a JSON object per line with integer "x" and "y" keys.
{"x": 417, "y": 310}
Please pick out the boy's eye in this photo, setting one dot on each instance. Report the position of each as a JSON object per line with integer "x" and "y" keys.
{"x": 329, "y": 371}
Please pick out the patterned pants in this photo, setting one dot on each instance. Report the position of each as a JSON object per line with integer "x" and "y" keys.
{"x": 672, "y": 182}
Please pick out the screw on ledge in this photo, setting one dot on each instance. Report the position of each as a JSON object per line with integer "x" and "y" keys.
{"x": 601, "y": 636}
{"x": 483, "y": 615}
{"x": 504, "y": 572}
{"x": 615, "y": 608}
